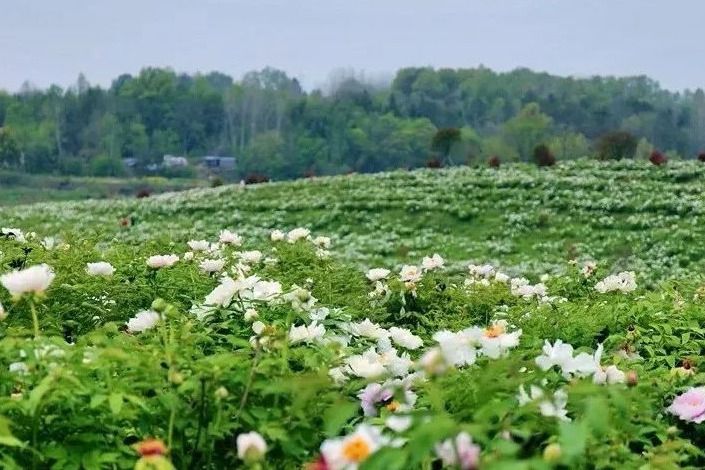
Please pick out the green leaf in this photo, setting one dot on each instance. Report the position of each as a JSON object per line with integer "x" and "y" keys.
{"x": 6, "y": 437}
{"x": 97, "y": 400}
{"x": 387, "y": 458}
{"x": 337, "y": 415}
{"x": 115, "y": 402}
{"x": 573, "y": 438}
{"x": 424, "y": 438}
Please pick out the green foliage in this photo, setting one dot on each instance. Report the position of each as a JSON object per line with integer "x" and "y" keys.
{"x": 616, "y": 146}
{"x": 103, "y": 165}
{"x": 527, "y": 129}
{"x": 274, "y": 127}
{"x": 9, "y": 149}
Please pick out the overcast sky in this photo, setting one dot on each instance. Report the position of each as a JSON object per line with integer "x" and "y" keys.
{"x": 51, "y": 41}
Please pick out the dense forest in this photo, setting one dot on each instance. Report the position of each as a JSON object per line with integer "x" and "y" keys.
{"x": 275, "y": 128}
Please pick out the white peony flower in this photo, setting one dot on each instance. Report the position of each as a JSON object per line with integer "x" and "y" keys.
{"x": 367, "y": 329}
{"x": 262, "y": 291}
{"x": 588, "y": 268}
{"x": 555, "y": 408}
{"x": 477, "y": 271}
{"x": 15, "y": 233}
{"x": 198, "y": 245}
{"x": 609, "y": 375}
{"x": 457, "y": 349}
{"x": 337, "y": 374}
{"x": 377, "y": 274}
{"x": 49, "y": 243}
{"x": 277, "y": 235}
{"x": 250, "y": 314}
{"x": 410, "y": 273}
{"x": 35, "y": 279}
{"x": 405, "y": 338}
{"x": 298, "y": 234}
{"x": 231, "y": 238}
{"x": 258, "y": 327}
{"x": 212, "y": 265}
{"x": 496, "y": 341}
{"x": 535, "y": 393}
{"x": 559, "y": 354}
{"x": 251, "y": 446}
{"x": 223, "y": 294}
{"x": 142, "y": 321}
{"x": 251, "y": 257}
{"x": 367, "y": 366}
{"x": 433, "y": 262}
{"x": 100, "y": 268}
{"x": 347, "y": 453}
{"x": 398, "y": 423}
{"x": 623, "y": 282}
{"x": 19, "y": 368}
{"x": 322, "y": 242}
{"x": 306, "y": 334}
{"x": 162, "y": 261}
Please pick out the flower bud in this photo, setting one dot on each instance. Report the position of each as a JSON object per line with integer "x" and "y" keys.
{"x": 159, "y": 305}
{"x": 176, "y": 377}
{"x": 250, "y": 314}
{"x": 251, "y": 447}
{"x": 151, "y": 447}
{"x": 221, "y": 393}
{"x": 632, "y": 378}
{"x": 552, "y": 453}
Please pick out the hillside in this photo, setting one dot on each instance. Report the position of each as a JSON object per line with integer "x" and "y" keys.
{"x": 629, "y": 215}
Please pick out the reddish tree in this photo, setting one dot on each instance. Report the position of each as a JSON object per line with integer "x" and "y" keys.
{"x": 256, "y": 178}
{"x": 701, "y": 157}
{"x": 494, "y": 161}
{"x": 658, "y": 158}
{"x": 434, "y": 162}
{"x": 543, "y": 156}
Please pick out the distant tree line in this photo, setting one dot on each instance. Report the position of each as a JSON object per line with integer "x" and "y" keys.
{"x": 274, "y": 128}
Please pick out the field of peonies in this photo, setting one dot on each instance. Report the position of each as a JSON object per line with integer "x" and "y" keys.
{"x": 465, "y": 318}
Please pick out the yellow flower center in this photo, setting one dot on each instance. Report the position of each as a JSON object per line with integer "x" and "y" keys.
{"x": 393, "y": 406}
{"x": 356, "y": 449}
{"x": 494, "y": 331}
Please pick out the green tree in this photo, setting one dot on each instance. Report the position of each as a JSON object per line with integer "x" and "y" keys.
{"x": 444, "y": 140}
{"x": 569, "y": 145}
{"x": 527, "y": 129}
{"x": 616, "y": 146}
{"x": 10, "y": 154}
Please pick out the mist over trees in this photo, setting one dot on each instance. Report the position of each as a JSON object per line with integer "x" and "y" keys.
{"x": 275, "y": 128}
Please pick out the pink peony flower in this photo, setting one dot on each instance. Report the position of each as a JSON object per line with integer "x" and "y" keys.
{"x": 373, "y": 395}
{"x": 460, "y": 452}
{"x": 690, "y": 406}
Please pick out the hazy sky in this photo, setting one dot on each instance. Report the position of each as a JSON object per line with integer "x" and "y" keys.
{"x": 51, "y": 41}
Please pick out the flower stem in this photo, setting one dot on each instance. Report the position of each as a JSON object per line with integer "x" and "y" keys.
{"x": 35, "y": 319}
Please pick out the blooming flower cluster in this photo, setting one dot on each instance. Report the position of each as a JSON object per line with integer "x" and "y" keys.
{"x": 583, "y": 364}
{"x": 624, "y": 282}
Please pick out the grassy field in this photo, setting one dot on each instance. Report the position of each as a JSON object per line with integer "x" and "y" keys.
{"x": 518, "y": 318}
{"x": 630, "y": 215}
{"x": 21, "y": 188}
